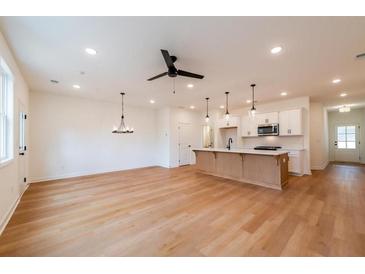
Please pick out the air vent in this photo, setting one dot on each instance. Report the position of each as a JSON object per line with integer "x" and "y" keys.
{"x": 54, "y": 81}
{"x": 361, "y": 56}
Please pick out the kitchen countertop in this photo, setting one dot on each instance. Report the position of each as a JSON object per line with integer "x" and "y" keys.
{"x": 244, "y": 151}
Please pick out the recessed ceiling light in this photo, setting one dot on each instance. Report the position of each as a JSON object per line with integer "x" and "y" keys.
{"x": 190, "y": 85}
{"x": 283, "y": 93}
{"x": 90, "y": 51}
{"x": 152, "y": 101}
{"x": 276, "y": 50}
{"x": 192, "y": 107}
{"x": 248, "y": 101}
{"x": 221, "y": 106}
{"x": 76, "y": 86}
{"x": 343, "y": 94}
{"x": 336, "y": 81}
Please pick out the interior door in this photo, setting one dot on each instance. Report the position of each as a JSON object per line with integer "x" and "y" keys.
{"x": 185, "y": 141}
{"x": 347, "y": 146}
{"x": 22, "y": 148}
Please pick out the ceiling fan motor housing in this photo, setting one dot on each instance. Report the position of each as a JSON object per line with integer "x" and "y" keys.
{"x": 172, "y": 72}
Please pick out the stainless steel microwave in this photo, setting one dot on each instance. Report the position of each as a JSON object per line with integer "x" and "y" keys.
{"x": 268, "y": 130}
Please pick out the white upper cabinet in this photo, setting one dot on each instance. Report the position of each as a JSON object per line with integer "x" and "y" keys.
{"x": 291, "y": 122}
{"x": 249, "y": 126}
{"x": 267, "y": 118}
{"x": 233, "y": 121}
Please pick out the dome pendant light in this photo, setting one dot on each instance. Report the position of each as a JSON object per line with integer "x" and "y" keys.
{"x": 227, "y": 112}
{"x": 252, "y": 111}
{"x": 122, "y": 127}
{"x": 207, "y": 116}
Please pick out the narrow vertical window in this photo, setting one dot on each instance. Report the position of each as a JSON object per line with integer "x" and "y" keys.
{"x": 6, "y": 113}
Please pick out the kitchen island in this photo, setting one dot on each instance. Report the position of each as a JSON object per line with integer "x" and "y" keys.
{"x": 258, "y": 167}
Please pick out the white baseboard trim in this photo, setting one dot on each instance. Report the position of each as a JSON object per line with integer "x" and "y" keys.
{"x": 80, "y": 174}
{"x": 11, "y": 211}
{"x": 320, "y": 167}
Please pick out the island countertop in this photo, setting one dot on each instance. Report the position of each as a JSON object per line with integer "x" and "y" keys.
{"x": 244, "y": 151}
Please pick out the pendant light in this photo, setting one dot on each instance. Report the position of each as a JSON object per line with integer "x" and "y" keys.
{"x": 122, "y": 127}
{"x": 344, "y": 109}
{"x": 227, "y": 112}
{"x": 252, "y": 111}
{"x": 207, "y": 116}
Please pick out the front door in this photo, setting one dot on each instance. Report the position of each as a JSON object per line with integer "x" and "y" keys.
{"x": 185, "y": 137}
{"x": 347, "y": 146}
{"x": 22, "y": 148}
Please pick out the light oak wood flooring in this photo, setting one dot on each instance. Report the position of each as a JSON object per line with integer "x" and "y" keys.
{"x": 179, "y": 212}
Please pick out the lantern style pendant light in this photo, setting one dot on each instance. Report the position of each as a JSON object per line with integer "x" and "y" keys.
{"x": 207, "y": 116}
{"x": 253, "y": 108}
{"x": 227, "y": 112}
{"x": 122, "y": 127}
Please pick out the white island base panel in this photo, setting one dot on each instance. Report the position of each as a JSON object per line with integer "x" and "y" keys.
{"x": 263, "y": 169}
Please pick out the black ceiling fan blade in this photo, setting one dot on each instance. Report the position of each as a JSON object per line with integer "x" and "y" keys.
{"x": 189, "y": 74}
{"x": 167, "y": 58}
{"x": 157, "y": 76}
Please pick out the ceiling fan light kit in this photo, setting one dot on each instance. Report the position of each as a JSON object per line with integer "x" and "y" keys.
{"x": 122, "y": 127}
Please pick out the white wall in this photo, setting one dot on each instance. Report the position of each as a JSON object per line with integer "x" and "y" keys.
{"x": 318, "y": 136}
{"x": 11, "y": 186}
{"x": 355, "y": 116}
{"x": 72, "y": 136}
{"x": 163, "y": 137}
{"x": 292, "y": 142}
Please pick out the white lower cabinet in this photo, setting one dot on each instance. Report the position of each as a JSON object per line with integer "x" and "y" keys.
{"x": 295, "y": 164}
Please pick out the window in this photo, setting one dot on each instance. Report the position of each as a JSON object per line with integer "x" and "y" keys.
{"x": 346, "y": 137}
{"x": 6, "y": 113}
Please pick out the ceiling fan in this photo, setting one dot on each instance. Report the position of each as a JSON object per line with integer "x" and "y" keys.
{"x": 172, "y": 71}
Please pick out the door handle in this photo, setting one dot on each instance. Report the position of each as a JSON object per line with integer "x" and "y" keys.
{"x": 21, "y": 153}
{"x": 189, "y": 145}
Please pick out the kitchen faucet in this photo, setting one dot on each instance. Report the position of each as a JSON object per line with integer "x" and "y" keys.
{"x": 230, "y": 141}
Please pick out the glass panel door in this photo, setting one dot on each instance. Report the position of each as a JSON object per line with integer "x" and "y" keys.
{"x": 347, "y": 143}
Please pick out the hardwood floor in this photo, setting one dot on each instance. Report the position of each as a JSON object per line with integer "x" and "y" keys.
{"x": 178, "y": 212}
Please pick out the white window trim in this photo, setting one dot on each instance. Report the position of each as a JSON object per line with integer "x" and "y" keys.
{"x": 10, "y": 115}
{"x": 6, "y": 162}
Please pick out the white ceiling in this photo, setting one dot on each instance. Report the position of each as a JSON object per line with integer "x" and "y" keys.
{"x": 232, "y": 53}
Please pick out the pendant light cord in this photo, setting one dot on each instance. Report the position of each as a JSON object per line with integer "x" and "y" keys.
{"x": 207, "y": 106}
{"x": 122, "y": 104}
{"x": 227, "y": 102}
{"x": 253, "y": 96}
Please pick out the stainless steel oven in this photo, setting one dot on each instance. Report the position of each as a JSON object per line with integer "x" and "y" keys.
{"x": 268, "y": 130}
